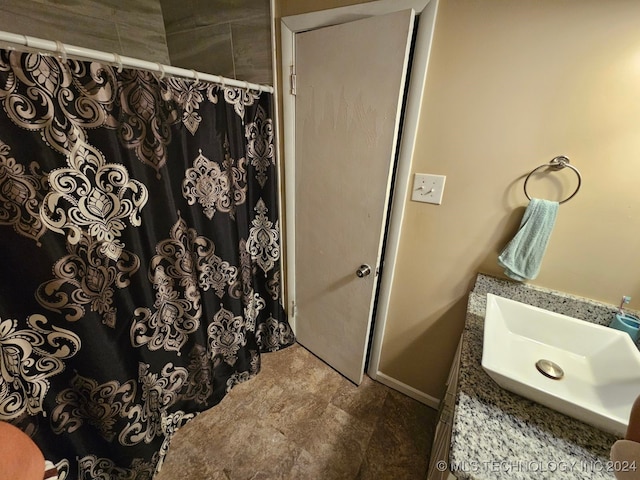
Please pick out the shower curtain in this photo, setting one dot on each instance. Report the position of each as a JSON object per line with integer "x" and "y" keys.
{"x": 139, "y": 256}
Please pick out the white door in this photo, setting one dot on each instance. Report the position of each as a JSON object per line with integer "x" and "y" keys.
{"x": 350, "y": 85}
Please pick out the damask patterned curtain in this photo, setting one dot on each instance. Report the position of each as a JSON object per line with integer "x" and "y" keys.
{"x": 139, "y": 256}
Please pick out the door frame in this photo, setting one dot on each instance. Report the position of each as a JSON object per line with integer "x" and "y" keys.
{"x": 289, "y": 26}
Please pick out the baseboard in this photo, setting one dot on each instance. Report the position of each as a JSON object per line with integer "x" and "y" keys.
{"x": 407, "y": 390}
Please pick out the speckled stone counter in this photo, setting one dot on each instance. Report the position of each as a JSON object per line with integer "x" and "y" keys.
{"x": 498, "y": 434}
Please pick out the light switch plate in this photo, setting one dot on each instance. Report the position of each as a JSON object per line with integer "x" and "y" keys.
{"x": 428, "y": 188}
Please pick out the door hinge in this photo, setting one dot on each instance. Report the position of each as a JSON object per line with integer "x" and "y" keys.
{"x": 294, "y": 308}
{"x": 292, "y": 78}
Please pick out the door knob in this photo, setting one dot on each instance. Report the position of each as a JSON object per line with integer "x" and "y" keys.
{"x": 363, "y": 271}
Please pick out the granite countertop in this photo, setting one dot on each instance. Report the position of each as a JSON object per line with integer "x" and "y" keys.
{"x": 498, "y": 434}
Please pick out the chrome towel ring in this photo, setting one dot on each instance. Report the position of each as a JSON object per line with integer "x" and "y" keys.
{"x": 558, "y": 163}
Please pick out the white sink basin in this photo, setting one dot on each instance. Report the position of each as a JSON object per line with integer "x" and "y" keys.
{"x": 601, "y": 365}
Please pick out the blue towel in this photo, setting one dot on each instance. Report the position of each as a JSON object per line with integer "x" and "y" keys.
{"x": 522, "y": 256}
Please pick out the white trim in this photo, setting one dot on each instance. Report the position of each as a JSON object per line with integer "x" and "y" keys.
{"x": 287, "y": 39}
{"x": 65, "y": 49}
{"x": 350, "y": 13}
{"x": 409, "y": 391}
{"x": 276, "y": 109}
{"x": 417, "y": 81}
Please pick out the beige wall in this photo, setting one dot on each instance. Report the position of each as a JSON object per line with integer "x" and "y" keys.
{"x": 135, "y": 29}
{"x": 296, "y": 7}
{"x": 511, "y": 84}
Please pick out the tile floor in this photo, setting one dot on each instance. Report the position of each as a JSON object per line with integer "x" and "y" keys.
{"x": 299, "y": 419}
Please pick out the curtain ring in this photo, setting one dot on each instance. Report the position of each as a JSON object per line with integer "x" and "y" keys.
{"x": 61, "y": 50}
{"x": 195, "y": 75}
{"x": 247, "y": 86}
{"x": 161, "y": 68}
{"x": 222, "y": 82}
{"x": 26, "y": 40}
{"x": 118, "y": 60}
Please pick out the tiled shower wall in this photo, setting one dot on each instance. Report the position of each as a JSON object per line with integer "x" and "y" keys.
{"x": 223, "y": 37}
{"x": 132, "y": 28}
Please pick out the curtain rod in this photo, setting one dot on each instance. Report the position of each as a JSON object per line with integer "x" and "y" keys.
{"x": 114, "y": 58}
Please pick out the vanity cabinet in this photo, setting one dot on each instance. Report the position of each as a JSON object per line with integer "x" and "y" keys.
{"x": 485, "y": 432}
{"x": 442, "y": 436}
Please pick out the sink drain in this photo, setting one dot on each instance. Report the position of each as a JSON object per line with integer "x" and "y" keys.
{"x": 550, "y": 369}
